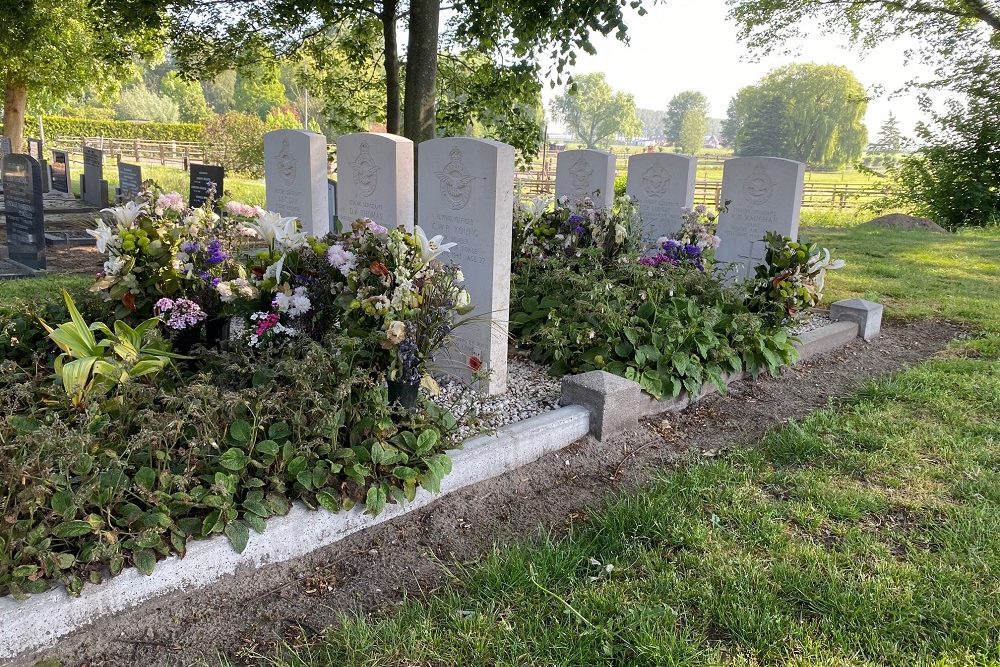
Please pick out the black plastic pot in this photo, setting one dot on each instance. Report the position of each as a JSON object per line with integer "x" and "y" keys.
{"x": 403, "y": 393}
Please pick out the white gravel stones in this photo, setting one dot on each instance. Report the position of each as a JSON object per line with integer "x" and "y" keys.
{"x": 530, "y": 391}
{"x": 810, "y": 322}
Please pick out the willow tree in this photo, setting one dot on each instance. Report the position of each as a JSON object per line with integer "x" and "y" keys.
{"x": 51, "y": 49}
{"x": 594, "y": 112}
{"x": 806, "y": 112}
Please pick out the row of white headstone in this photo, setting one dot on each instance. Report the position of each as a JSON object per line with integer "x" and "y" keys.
{"x": 464, "y": 192}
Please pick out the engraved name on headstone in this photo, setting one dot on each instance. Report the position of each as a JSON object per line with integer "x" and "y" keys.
{"x": 295, "y": 167}
{"x": 764, "y": 195}
{"x": 662, "y": 184}
{"x": 129, "y": 180}
{"x": 586, "y": 173}
{"x": 60, "y": 171}
{"x": 206, "y": 180}
{"x": 465, "y": 194}
{"x": 375, "y": 179}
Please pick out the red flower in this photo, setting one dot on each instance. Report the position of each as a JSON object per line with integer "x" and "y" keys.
{"x": 475, "y": 363}
{"x": 129, "y": 301}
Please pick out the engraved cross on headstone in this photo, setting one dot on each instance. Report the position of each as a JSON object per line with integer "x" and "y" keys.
{"x": 754, "y": 255}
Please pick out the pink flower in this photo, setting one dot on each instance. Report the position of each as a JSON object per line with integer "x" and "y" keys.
{"x": 170, "y": 201}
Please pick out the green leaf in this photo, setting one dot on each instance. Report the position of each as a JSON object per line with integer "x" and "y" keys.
{"x": 305, "y": 479}
{"x": 255, "y": 522}
{"x": 146, "y": 478}
{"x": 268, "y": 447}
{"x": 72, "y": 529}
{"x": 404, "y": 473}
{"x": 234, "y": 459}
{"x": 62, "y": 503}
{"x": 23, "y": 424}
{"x": 279, "y": 431}
{"x": 427, "y": 440}
{"x": 211, "y": 523}
{"x": 376, "y": 500}
{"x": 145, "y": 560}
{"x": 241, "y": 431}
{"x": 328, "y": 501}
{"x": 297, "y": 465}
{"x": 24, "y": 571}
{"x": 238, "y": 535}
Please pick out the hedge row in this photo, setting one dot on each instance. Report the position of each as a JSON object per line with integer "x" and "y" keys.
{"x": 58, "y": 126}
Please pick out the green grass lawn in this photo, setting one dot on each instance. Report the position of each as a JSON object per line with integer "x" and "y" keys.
{"x": 248, "y": 191}
{"x": 863, "y": 535}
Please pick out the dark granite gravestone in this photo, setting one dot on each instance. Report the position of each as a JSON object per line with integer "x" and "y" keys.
{"x": 129, "y": 181}
{"x": 95, "y": 188}
{"x": 60, "y": 171}
{"x": 206, "y": 180}
{"x": 331, "y": 186}
{"x": 22, "y": 185}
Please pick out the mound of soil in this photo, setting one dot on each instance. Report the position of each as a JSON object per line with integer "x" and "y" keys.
{"x": 906, "y": 223}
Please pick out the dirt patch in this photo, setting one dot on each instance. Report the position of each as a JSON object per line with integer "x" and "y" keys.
{"x": 370, "y": 572}
{"x": 905, "y": 222}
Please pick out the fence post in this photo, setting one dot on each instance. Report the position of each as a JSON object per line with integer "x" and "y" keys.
{"x": 135, "y": 149}
{"x": 163, "y": 156}
{"x": 187, "y": 159}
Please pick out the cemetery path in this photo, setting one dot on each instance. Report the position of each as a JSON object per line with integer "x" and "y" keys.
{"x": 414, "y": 555}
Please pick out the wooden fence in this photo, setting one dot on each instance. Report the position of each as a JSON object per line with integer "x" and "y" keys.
{"x": 709, "y": 192}
{"x": 141, "y": 151}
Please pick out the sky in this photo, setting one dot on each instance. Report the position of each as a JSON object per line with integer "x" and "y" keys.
{"x": 690, "y": 45}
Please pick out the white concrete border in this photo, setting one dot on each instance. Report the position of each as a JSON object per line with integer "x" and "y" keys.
{"x": 41, "y": 620}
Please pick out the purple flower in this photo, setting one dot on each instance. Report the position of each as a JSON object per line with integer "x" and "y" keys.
{"x": 190, "y": 247}
{"x": 671, "y": 244}
{"x": 692, "y": 251}
{"x": 215, "y": 253}
{"x": 575, "y": 219}
{"x": 579, "y": 230}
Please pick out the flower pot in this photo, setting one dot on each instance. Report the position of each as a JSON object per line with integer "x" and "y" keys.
{"x": 185, "y": 339}
{"x": 403, "y": 393}
{"x": 217, "y": 331}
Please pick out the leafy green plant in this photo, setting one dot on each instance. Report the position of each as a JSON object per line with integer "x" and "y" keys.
{"x": 668, "y": 330}
{"x": 791, "y": 278}
{"x": 89, "y": 368}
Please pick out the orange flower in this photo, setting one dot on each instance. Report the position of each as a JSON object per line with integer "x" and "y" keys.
{"x": 378, "y": 268}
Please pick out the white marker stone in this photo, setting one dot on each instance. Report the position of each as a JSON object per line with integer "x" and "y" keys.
{"x": 295, "y": 178}
{"x": 663, "y": 184}
{"x": 764, "y": 195}
{"x": 375, "y": 179}
{"x": 586, "y": 173}
{"x": 466, "y": 194}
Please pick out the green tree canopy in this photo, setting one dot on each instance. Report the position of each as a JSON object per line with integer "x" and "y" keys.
{"x": 258, "y": 90}
{"x": 679, "y": 105}
{"x": 694, "y": 126}
{"x": 890, "y": 138}
{"x": 594, "y": 112}
{"x": 52, "y": 49}
{"x": 189, "y": 96}
{"x": 140, "y": 103}
{"x": 806, "y": 112}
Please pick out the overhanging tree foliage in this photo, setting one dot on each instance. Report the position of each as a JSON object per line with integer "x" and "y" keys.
{"x": 811, "y": 113}
{"x": 215, "y": 35}
{"x": 50, "y": 49}
{"x": 679, "y": 105}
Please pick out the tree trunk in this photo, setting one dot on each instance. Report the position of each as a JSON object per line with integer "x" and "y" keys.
{"x": 14, "y": 101}
{"x": 391, "y": 57}
{"x": 421, "y": 71}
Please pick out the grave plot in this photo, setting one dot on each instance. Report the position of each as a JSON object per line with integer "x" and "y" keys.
{"x": 351, "y": 373}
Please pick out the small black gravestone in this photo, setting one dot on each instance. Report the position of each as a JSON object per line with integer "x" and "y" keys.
{"x": 5, "y": 146}
{"x": 129, "y": 180}
{"x": 205, "y": 179}
{"x": 94, "y": 191}
{"x": 22, "y": 185}
{"x": 60, "y": 171}
{"x": 331, "y": 189}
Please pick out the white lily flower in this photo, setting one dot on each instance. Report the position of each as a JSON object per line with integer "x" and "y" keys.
{"x": 126, "y": 215}
{"x": 537, "y": 206}
{"x": 821, "y": 261}
{"x": 103, "y": 235}
{"x": 431, "y": 248}
{"x": 271, "y": 227}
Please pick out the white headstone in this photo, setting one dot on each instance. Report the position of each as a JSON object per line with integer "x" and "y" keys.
{"x": 295, "y": 178}
{"x": 663, "y": 184}
{"x": 586, "y": 173}
{"x": 375, "y": 179}
{"x": 764, "y": 195}
{"x": 466, "y": 194}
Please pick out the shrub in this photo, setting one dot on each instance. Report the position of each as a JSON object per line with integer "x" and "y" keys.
{"x": 237, "y": 143}
{"x": 140, "y": 103}
{"x": 58, "y": 126}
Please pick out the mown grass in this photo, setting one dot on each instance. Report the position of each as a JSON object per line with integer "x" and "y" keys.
{"x": 868, "y": 534}
{"x": 248, "y": 191}
{"x": 865, "y": 535}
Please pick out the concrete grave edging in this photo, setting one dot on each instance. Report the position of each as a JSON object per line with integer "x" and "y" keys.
{"x": 41, "y": 620}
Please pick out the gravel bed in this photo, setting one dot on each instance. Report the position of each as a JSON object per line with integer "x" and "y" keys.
{"x": 810, "y": 322}
{"x": 530, "y": 392}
